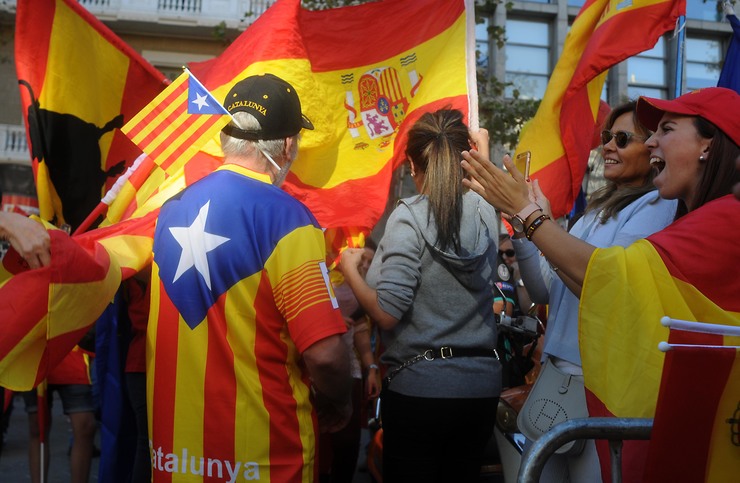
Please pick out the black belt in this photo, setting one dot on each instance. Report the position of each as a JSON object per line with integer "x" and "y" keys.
{"x": 445, "y": 352}
{"x": 449, "y": 353}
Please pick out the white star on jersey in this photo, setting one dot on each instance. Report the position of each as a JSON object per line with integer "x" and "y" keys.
{"x": 200, "y": 101}
{"x": 196, "y": 243}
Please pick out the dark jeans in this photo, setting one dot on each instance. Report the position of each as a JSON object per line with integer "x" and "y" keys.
{"x": 434, "y": 440}
{"x": 136, "y": 385}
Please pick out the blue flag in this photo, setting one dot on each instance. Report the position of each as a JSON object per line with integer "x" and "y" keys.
{"x": 117, "y": 440}
{"x": 730, "y": 76}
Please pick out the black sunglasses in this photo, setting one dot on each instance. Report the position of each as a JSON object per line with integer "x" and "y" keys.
{"x": 622, "y": 138}
{"x": 509, "y": 253}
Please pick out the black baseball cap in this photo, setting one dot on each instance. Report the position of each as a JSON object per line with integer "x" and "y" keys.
{"x": 271, "y": 100}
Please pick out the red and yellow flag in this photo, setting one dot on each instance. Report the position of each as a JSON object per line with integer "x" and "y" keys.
{"x": 40, "y": 335}
{"x": 79, "y": 83}
{"x": 560, "y": 135}
{"x": 626, "y": 293}
{"x": 171, "y": 129}
{"x": 47, "y": 311}
{"x": 698, "y": 404}
{"x": 363, "y": 76}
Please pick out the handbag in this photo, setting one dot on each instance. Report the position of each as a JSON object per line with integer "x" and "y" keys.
{"x": 556, "y": 397}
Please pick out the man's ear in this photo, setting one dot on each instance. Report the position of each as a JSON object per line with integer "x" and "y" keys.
{"x": 288, "y": 147}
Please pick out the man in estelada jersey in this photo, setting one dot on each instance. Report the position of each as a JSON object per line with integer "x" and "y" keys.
{"x": 244, "y": 331}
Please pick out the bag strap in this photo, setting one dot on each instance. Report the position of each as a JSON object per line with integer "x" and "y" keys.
{"x": 445, "y": 352}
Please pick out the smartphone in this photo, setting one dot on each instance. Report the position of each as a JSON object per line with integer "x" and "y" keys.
{"x": 525, "y": 158}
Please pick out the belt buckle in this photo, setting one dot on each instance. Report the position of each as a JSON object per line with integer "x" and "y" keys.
{"x": 445, "y": 352}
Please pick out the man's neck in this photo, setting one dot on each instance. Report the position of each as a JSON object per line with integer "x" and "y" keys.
{"x": 257, "y": 164}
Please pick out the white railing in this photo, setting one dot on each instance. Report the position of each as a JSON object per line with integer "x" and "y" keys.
{"x": 234, "y": 13}
{"x": 180, "y": 6}
{"x": 13, "y": 145}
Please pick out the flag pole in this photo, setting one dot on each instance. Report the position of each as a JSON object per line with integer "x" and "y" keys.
{"x": 681, "y": 35}
{"x": 109, "y": 196}
{"x": 43, "y": 421}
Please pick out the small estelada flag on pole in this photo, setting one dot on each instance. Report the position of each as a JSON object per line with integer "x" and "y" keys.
{"x": 177, "y": 123}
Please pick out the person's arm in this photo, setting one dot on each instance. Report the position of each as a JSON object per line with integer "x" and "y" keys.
{"x": 522, "y": 295}
{"x": 327, "y": 361}
{"x": 366, "y": 295}
{"x": 367, "y": 358}
{"x": 534, "y": 270}
{"x": 28, "y": 237}
{"x": 509, "y": 193}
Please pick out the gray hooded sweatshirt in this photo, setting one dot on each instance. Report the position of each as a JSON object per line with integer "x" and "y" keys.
{"x": 441, "y": 298}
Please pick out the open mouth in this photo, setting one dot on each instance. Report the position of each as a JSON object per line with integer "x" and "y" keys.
{"x": 657, "y": 163}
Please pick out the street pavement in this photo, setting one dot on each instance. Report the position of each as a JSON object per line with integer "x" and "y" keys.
{"x": 14, "y": 458}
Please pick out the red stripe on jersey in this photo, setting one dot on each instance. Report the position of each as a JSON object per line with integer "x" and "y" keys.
{"x": 286, "y": 449}
{"x": 219, "y": 390}
{"x": 165, "y": 380}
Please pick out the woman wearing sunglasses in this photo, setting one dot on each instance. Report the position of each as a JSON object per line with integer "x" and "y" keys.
{"x": 626, "y": 209}
{"x": 626, "y": 291}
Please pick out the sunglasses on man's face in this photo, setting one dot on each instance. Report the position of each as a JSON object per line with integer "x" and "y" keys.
{"x": 621, "y": 138}
{"x": 509, "y": 253}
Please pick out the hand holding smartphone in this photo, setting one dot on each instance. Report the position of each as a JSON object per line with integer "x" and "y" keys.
{"x": 526, "y": 158}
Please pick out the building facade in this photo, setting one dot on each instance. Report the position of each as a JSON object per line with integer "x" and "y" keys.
{"x": 536, "y": 31}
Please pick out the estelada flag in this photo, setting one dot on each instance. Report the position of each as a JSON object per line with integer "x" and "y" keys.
{"x": 170, "y": 130}
{"x": 560, "y": 135}
{"x": 364, "y": 74}
{"x": 79, "y": 82}
{"x": 696, "y": 431}
{"x": 625, "y": 294}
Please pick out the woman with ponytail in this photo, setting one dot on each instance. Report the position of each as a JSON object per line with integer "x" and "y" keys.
{"x": 430, "y": 290}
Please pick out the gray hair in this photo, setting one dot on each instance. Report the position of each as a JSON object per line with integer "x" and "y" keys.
{"x": 232, "y": 146}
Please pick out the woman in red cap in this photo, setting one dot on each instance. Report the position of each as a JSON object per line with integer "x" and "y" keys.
{"x": 625, "y": 291}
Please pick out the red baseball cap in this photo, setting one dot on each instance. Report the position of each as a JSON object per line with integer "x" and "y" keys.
{"x": 718, "y": 105}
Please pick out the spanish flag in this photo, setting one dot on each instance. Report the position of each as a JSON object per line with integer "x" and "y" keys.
{"x": 364, "y": 74}
{"x": 79, "y": 83}
{"x": 560, "y": 135}
{"x": 698, "y": 404}
{"x": 627, "y": 291}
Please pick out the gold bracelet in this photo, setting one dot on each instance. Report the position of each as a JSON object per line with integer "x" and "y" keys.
{"x": 535, "y": 224}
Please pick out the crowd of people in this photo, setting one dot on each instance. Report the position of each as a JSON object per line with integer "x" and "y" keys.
{"x": 247, "y": 362}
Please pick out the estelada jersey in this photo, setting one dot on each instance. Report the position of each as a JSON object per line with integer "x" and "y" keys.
{"x": 239, "y": 290}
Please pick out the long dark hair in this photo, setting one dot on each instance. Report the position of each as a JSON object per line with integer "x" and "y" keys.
{"x": 719, "y": 174}
{"x": 434, "y": 145}
{"x": 610, "y": 199}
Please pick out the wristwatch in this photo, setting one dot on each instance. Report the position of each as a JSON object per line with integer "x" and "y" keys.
{"x": 517, "y": 222}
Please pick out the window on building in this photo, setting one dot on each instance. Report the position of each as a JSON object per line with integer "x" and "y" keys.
{"x": 646, "y": 73}
{"x": 170, "y": 63}
{"x": 576, "y": 3}
{"x": 481, "y": 45}
{"x": 702, "y": 63}
{"x": 704, "y": 10}
{"x": 527, "y": 58}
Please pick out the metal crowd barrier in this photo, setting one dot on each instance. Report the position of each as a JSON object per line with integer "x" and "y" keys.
{"x": 615, "y": 430}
